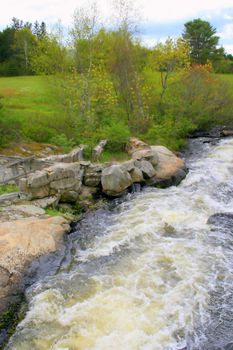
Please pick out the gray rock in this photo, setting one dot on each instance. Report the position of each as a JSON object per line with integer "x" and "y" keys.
{"x": 115, "y": 180}
{"x": 147, "y": 154}
{"x": 38, "y": 179}
{"x": 14, "y": 196}
{"x": 128, "y": 165}
{"x": 69, "y": 197}
{"x": 136, "y": 175}
{"x": 88, "y": 192}
{"x": 146, "y": 168}
{"x": 36, "y": 193}
{"x": 27, "y": 210}
{"x": 45, "y": 202}
{"x": 64, "y": 184}
{"x": 74, "y": 156}
{"x": 92, "y": 176}
{"x": 61, "y": 171}
{"x": 169, "y": 165}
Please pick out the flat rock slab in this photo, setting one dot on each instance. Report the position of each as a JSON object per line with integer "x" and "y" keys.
{"x": 22, "y": 240}
{"x": 20, "y": 211}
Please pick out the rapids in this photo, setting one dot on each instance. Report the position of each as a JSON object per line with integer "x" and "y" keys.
{"x": 146, "y": 273}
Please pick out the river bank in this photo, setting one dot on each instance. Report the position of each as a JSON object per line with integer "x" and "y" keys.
{"x": 149, "y": 271}
{"x": 27, "y": 232}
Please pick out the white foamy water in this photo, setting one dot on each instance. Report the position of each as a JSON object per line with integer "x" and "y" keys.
{"x": 146, "y": 280}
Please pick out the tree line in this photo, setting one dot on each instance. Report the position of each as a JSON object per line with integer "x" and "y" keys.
{"x": 109, "y": 85}
{"x": 27, "y": 48}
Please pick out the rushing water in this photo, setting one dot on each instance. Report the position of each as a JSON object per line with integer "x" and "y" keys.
{"x": 145, "y": 274}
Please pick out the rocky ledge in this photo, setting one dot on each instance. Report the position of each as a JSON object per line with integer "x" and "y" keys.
{"x": 21, "y": 241}
{"x": 149, "y": 165}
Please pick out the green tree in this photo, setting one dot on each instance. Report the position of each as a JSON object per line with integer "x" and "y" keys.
{"x": 202, "y": 41}
{"x": 48, "y": 56}
{"x": 23, "y": 45}
{"x": 126, "y": 64}
{"x": 169, "y": 57}
{"x": 6, "y": 44}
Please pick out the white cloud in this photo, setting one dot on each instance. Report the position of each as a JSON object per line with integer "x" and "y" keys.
{"x": 228, "y": 17}
{"x": 227, "y": 32}
{"x": 152, "y": 10}
{"x": 170, "y": 10}
{"x": 229, "y": 48}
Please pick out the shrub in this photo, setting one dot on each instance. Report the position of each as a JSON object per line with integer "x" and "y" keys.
{"x": 62, "y": 140}
{"x": 202, "y": 97}
{"x": 9, "y": 128}
{"x": 38, "y": 132}
{"x": 117, "y": 135}
{"x": 170, "y": 132}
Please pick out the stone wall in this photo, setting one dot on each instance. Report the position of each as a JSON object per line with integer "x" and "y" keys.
{"x": 150, "y": 165}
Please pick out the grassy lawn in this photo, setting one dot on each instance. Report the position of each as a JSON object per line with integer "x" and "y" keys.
{"x": 32, "y": 103}
{"x": 24, "y": 96}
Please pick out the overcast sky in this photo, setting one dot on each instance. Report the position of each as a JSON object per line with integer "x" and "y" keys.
{"x": 160, "y": 18}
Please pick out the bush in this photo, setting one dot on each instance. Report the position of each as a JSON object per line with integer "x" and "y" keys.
{"x": 170, "y": 132}
{"x": 10, "y": 128}
{"x": 62, "y": 140}
{"x": 202, "y": 97}
{"x": 38, "y": 133}
{"x": 117, "y": 135}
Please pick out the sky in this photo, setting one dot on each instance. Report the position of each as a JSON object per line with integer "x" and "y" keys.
{"x": 158, "y": 18}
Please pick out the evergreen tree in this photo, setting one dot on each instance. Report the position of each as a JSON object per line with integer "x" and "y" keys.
{"x": 202, "y": 41}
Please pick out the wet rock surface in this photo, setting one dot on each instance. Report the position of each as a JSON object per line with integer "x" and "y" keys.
{"x": 21, "y": 241}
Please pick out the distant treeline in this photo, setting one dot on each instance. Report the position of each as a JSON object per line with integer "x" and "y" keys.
{"x": 27, "y": 48}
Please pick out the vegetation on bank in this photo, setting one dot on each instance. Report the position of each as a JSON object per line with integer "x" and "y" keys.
{"x": 106, "y": 85}
{"x": 4, "y": 189}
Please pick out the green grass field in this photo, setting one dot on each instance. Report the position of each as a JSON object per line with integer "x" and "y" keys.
{"x": 31, "y": 106}
{"x": 24, "y": 96}
{"x": 31, "y": 102}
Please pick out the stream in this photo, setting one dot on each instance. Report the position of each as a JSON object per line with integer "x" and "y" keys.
{"x": 147, "y": 272}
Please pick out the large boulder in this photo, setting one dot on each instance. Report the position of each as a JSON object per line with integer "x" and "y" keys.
{"x": 21, "y": 241}
{"x": 38, "y": 179}
{"x": 170, "y": 169}
{"x": 115, "y": 180}
{"x": 63, "y": 171}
